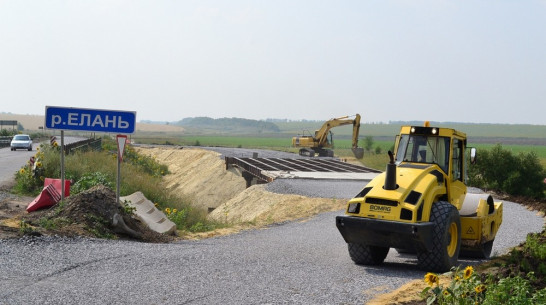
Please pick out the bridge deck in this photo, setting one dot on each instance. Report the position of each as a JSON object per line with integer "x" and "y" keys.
{"x": 269, "y": 169}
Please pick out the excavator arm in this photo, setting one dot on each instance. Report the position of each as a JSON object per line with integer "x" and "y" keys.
{"x": 321, "y": 135}
{"x": 357, "y": 151}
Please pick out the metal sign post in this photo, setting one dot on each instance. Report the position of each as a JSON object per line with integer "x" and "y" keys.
{"x": 62, "y": 165}
{"x": 121, "y": 139}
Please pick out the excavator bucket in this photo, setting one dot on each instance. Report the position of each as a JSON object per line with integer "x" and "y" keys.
{"x": 358, "y": 152}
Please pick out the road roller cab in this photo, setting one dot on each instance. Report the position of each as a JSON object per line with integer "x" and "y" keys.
{"x": 420, "y": 204}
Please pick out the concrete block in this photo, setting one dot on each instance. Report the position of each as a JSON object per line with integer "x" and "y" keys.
{"x": 149, "y": 214}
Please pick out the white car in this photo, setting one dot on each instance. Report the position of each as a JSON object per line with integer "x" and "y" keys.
{"x": 21, "y": 141}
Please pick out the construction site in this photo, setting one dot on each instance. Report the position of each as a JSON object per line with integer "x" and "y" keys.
{"x": 242, "y": 185}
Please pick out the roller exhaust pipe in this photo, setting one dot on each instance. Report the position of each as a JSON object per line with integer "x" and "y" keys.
{"x": 390, "y": 174}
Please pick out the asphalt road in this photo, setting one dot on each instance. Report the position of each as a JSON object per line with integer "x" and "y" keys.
{"x": 12, "y": 161}
{"x": 302, "y": 262}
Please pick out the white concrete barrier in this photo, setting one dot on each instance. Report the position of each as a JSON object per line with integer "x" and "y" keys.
{"x": 149, "y": 214}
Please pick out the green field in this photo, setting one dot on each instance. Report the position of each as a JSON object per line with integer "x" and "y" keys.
{"x": 283, "y": 143}
{"x": 385, "y": 130}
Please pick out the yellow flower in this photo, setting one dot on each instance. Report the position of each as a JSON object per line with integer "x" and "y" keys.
{"x": 446, "y": 293}
{"x": 468, "y": 272}
{"x": 174, "y": 211}
{"x": 431, "y": 279}
{"x": 55, "y": 144}
{"x": 22, "y": 171}
{"x": 457, "y": 278}
{"x": 168, "y": 211}
{"x": 38, "y": 164}
{"x": 156, "y": 204}
{"x": 480, "y": 288}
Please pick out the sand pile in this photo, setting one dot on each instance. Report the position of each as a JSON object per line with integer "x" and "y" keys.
{"x": 255, "y": 204}
{"x": 198, "y": 174}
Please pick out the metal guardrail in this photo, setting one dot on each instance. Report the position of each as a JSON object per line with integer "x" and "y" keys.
{"x": 5, "y": 141}
{"x": 85, "y": 145}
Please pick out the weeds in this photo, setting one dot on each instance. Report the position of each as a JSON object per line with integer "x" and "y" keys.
{"x": 88, "y": 169}
{"x": 98, "y": 226}
{"x": 183, "y": 220}
{"x": 90, "y": 180}
{"x": 53, "y": 223}
{"x": 128, "y": 210}
{"x": 25, "y": 228}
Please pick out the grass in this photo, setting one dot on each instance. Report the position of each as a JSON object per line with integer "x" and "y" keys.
{"x": 224, "y": 141}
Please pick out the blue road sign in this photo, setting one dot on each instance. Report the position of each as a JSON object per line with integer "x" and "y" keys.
{"x": 66, "y": 118}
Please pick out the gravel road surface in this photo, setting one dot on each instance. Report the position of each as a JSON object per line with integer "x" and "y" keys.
{"x": 302, "y": 262}
{"x": 293, "y": 263}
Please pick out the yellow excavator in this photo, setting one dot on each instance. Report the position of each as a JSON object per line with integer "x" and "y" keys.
{"x": 319, "y": 144}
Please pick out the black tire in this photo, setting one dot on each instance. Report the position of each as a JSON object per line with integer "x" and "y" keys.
{"x": 30, "y": 148}
{"x": 445, "y": 246}
{"x": 367, "y": 255}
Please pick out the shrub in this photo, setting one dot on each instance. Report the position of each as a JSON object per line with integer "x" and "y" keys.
{"x": 368, "y": 142}
{"x": 29, "y": 179}
{"x": 517, "y": 175}
{"x": 90, "y": 180}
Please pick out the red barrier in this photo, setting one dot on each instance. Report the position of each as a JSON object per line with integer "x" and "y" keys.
{"x": 57, "y": 184}
{"x": 48, "y": 197}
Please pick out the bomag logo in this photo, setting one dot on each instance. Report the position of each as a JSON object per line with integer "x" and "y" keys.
{"x": 380, "y": 208}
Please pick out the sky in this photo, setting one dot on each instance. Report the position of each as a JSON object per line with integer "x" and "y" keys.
{"x": 388, "y": 60}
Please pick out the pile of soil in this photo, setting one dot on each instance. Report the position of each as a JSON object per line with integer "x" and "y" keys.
{"x": 91, "y": 213}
